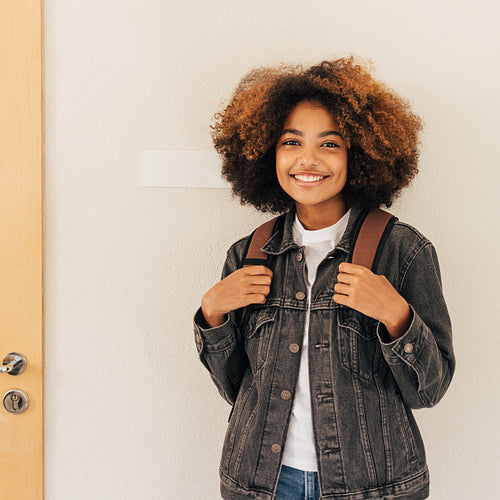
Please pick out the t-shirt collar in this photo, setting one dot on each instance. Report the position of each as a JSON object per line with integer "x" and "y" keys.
{"x": 333, "y": 233}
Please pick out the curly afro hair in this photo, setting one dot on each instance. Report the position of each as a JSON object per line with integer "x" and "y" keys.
{"x": 380, "y": 129}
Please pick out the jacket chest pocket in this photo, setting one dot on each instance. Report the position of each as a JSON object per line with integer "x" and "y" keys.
{"x": 257, "y": 333}
{"x": 358, "y": 343}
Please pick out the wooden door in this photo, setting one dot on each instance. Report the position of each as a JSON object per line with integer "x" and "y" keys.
{"x": 21, "y": 118}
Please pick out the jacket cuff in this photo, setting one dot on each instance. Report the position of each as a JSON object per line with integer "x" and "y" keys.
{"x": 406, "y": 348}
{"x": 214, "y": 339}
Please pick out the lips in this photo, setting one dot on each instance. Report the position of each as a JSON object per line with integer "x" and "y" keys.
{"x": 308, "y": 177}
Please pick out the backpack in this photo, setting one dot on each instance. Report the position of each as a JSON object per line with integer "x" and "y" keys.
{"x": 368, "y": 240}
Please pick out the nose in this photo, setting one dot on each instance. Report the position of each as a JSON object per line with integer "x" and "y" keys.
{"x": 308, "y": 157}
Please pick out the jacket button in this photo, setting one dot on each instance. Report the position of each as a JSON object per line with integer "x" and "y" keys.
{"x": 276, "y": 448}
{"x": 294, "y": 348}
{"x": 249, "y": 327}
{"x": 300, "y": 256}
{"x": 408, "y": 348}
{"x": 286, "y": 395}
{"x": 300, "y": 295}
{"x": 369, "y": 329}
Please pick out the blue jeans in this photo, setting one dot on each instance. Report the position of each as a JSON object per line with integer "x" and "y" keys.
{"x": 295, "y": 484}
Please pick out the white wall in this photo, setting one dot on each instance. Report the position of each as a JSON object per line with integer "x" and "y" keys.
{"x": 130, "y": 411}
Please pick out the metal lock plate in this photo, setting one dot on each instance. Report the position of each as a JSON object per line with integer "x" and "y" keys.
{"x": 15, "y": 402}
{"x": 13, "y": 364}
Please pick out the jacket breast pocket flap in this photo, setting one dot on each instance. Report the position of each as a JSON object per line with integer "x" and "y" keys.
{"x": 258, "y": 332}
{"x": 358, "y": 343}
{"x": 258, "y": 317}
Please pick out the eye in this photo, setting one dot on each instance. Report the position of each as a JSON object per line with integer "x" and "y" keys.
{"x": 290, "y": 142}
{"x": 331, "y": 144}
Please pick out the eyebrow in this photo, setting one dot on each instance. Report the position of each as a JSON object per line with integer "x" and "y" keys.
{"x": 299, "y": 133}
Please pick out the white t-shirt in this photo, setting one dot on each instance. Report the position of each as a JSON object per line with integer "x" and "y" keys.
{"x": 299, "y": 450}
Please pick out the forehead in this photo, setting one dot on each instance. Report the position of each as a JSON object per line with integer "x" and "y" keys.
{"x": 309, "y": 115}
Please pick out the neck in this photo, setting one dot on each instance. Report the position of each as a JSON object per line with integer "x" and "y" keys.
{"x": 313, "y": 218}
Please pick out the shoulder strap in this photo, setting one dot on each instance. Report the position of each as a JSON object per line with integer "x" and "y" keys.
{"x": 371, "y": 236}
{"x": 255, "y": 256}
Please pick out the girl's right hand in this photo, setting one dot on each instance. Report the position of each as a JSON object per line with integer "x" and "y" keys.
{"x": 248, "y": 285}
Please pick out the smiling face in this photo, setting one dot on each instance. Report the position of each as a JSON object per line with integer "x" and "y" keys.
{"x": 311, "y": 164}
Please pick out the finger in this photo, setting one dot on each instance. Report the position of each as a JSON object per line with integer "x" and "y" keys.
{"x": 341, "y": 299}
{"x": 345, "y": 278}
{"x": 259, "y": 289}
{"x": 256, "y": 298}
{"x": 342, "y": 289}
{"x": 350, "y": 268}
{"x": 258, "y": 270}
{"x": 259, "y": 280}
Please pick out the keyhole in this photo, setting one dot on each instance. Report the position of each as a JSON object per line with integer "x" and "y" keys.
{"x": 15, "y": 401}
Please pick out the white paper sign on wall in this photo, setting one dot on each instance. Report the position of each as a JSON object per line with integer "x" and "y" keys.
{"x": 188, "y": 169}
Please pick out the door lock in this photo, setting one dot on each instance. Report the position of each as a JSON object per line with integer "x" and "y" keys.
{"x": 13, "y": 364}
{"x": 15, "y": 402}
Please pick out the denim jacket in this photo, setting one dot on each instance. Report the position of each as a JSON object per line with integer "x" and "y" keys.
{"x": 363, "y": 386}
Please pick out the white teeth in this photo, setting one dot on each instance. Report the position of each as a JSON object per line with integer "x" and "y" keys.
{"x": 308, "y": 178}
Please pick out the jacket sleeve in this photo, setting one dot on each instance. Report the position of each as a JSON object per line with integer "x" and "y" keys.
{"x": 422, "y": 360}
{"x": 221, "y": 349}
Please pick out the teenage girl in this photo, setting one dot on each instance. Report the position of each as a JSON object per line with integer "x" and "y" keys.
{"x": 330, "y": 359}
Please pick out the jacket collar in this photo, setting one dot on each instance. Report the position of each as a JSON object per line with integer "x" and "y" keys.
{"x": 282, "y": 239}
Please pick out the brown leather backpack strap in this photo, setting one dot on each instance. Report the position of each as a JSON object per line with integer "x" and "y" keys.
{"x": 255, "y": 256}
{"x": 374, "y": 229}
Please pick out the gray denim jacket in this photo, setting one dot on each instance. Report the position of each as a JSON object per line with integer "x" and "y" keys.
{"x": 363, "y": 388}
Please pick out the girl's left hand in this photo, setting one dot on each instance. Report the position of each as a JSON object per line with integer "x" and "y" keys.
{"x": 374, "y": 296}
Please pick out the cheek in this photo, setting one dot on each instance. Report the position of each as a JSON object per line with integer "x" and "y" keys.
{"x": 281, "y": 170}
{"x": 343, "y": 168}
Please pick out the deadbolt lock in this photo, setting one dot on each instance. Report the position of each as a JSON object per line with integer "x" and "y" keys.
{"x": 15, "y": 402}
